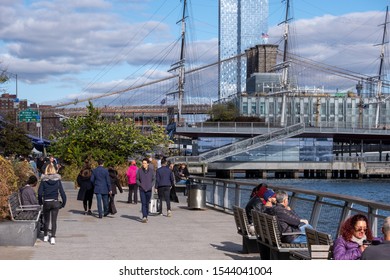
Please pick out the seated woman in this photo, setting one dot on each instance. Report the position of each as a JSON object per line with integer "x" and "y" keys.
{"x": 353, "y": 233}
{"x": 181, "y": 174}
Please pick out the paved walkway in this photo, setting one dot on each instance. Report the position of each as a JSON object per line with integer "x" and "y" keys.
{"x": 187, "y": 235}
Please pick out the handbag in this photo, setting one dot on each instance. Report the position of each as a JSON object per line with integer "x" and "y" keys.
{"x": 111, "y": 206}
{"x": 173, "y": 195}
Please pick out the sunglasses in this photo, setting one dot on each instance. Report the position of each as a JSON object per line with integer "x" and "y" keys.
{"x": 361, "y": 229}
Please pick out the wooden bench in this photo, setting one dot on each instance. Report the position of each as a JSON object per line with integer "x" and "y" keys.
{"x": 249, "y": 242}
{"x": 181, "y": 188}
{"x": 21, "y": 213}
{"x": 320, "y": 246}
{"x": 268, "y": 234}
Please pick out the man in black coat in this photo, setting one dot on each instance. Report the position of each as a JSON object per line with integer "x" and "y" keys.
{"x": 164, "y": 181}
{"x": 289, "y": 221}
{"x": 102, "y": 187}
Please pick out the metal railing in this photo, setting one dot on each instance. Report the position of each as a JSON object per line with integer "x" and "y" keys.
{"x": 244, "y": 145}
{"x": 255, "y": 128}
{"x": 325, "y": 211}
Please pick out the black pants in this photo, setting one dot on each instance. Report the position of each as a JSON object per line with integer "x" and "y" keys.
{"x": 87, "y": 202}
{"x": 164, "y": 192}
{"x": 50, "y": 213}
{"x": 133, "y": 189}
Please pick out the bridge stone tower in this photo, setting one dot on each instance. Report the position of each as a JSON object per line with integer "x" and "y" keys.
{"x": 260, "y": 59}
{"x": 260, "y": 78}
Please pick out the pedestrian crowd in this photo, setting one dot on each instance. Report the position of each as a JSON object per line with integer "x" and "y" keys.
{"x": 154, "y": 181}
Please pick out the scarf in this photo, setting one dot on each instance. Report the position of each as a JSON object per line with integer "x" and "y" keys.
{"x": 358, "y": 240}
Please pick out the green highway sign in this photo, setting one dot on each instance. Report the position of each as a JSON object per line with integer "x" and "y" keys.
{"x": 29, "y": 115}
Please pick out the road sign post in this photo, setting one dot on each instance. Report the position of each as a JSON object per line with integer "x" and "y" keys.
{"x": 29, "y": 115}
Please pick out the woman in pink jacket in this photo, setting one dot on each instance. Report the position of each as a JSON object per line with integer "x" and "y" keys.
{"x": 131, "y": 177}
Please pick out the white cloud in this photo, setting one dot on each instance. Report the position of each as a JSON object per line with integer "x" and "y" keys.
{"x": 60, "y": 40}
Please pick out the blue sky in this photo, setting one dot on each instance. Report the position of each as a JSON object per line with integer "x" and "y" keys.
{"x": 62, "y": 50}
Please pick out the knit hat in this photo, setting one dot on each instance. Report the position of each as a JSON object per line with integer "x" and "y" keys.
{"x": 268, "y": 194}
{"x": 261, "y": 191}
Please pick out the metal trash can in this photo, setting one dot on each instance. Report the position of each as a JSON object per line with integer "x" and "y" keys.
{"x": 196, "y": 196}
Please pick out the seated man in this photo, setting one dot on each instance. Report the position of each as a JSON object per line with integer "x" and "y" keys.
{"x": 382, "y": 250}
{"x": 28, "y": 197}
{"x": 262, "y": 202}
{"x": 270, "y": 201}
{"x": 289, "y": 221}
{"x": 27, "y": 193}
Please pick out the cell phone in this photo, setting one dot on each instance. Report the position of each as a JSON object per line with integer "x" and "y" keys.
{"x": 366, "y": 242}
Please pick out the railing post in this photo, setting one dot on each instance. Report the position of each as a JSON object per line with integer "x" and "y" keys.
{"x": 225, "y": 196}
{"x": 373, "y": 220}
{"x": 215, "y": 196}
{"x": 237, "y": 198}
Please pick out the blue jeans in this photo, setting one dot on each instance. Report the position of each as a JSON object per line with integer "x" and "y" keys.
{"x": 145, "y": 199}
{"x": 99, "y": 198}
{"x": 302, "y": 237}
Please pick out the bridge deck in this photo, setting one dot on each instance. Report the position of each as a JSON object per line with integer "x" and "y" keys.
{"x": 187, "y": 235}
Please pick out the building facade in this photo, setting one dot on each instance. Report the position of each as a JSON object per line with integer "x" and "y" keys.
{"x": 242, "y": 24}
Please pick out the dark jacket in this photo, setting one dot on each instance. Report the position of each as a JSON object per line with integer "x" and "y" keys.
{"x": 288, "y": 222}
{"x": 101, "y": 180}
{"x": 377, "y": 252}
{"x": 114, "y": 181}
{"x": 50, "y": 187}
{"x": 146, "y": 178}
{"x": 253, "y": 203}
{"x": 84, "y": 182}
{"x": 164, "y": 177}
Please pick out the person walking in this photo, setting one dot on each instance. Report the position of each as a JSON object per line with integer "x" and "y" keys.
{"x": 48, "y": 191}
{"x": 146, "y": 179}
{"x": 114, "y": 185}
{"x": 164, "y": 181}
{"x": 102, "y": 184}
{"x": 131, "y": 174}
{"x": 86, "y": 190}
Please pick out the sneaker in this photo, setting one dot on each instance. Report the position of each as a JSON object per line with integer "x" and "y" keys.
{"x": 89, "y": 212}
{"x": 52, "y": 241}
{"x": 85, "y": 213}
{"x": 169, "y": 214}
{"x": 46, "y": 238}
{"x": 144, "y": 220}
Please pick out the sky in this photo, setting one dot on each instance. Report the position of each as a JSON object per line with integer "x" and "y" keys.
{"x": 63, "y": 50}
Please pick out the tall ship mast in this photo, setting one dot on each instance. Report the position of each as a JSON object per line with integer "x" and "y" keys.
{"x": 179, "y": 67}
{"x": 379, "y": 83}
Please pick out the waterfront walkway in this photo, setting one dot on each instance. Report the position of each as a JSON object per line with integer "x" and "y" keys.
{"x": 187, "y": 235}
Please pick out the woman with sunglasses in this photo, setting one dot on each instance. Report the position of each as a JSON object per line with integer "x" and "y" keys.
{"x": 353, "y": 238}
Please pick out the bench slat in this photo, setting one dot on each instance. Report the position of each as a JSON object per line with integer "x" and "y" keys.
{"x": 19, "y": 212}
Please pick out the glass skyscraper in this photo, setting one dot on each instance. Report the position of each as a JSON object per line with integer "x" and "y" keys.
{"x": 242, "y": 24}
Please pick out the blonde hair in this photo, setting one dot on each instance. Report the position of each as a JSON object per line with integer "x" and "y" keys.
{"x": 50, "y": 169}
